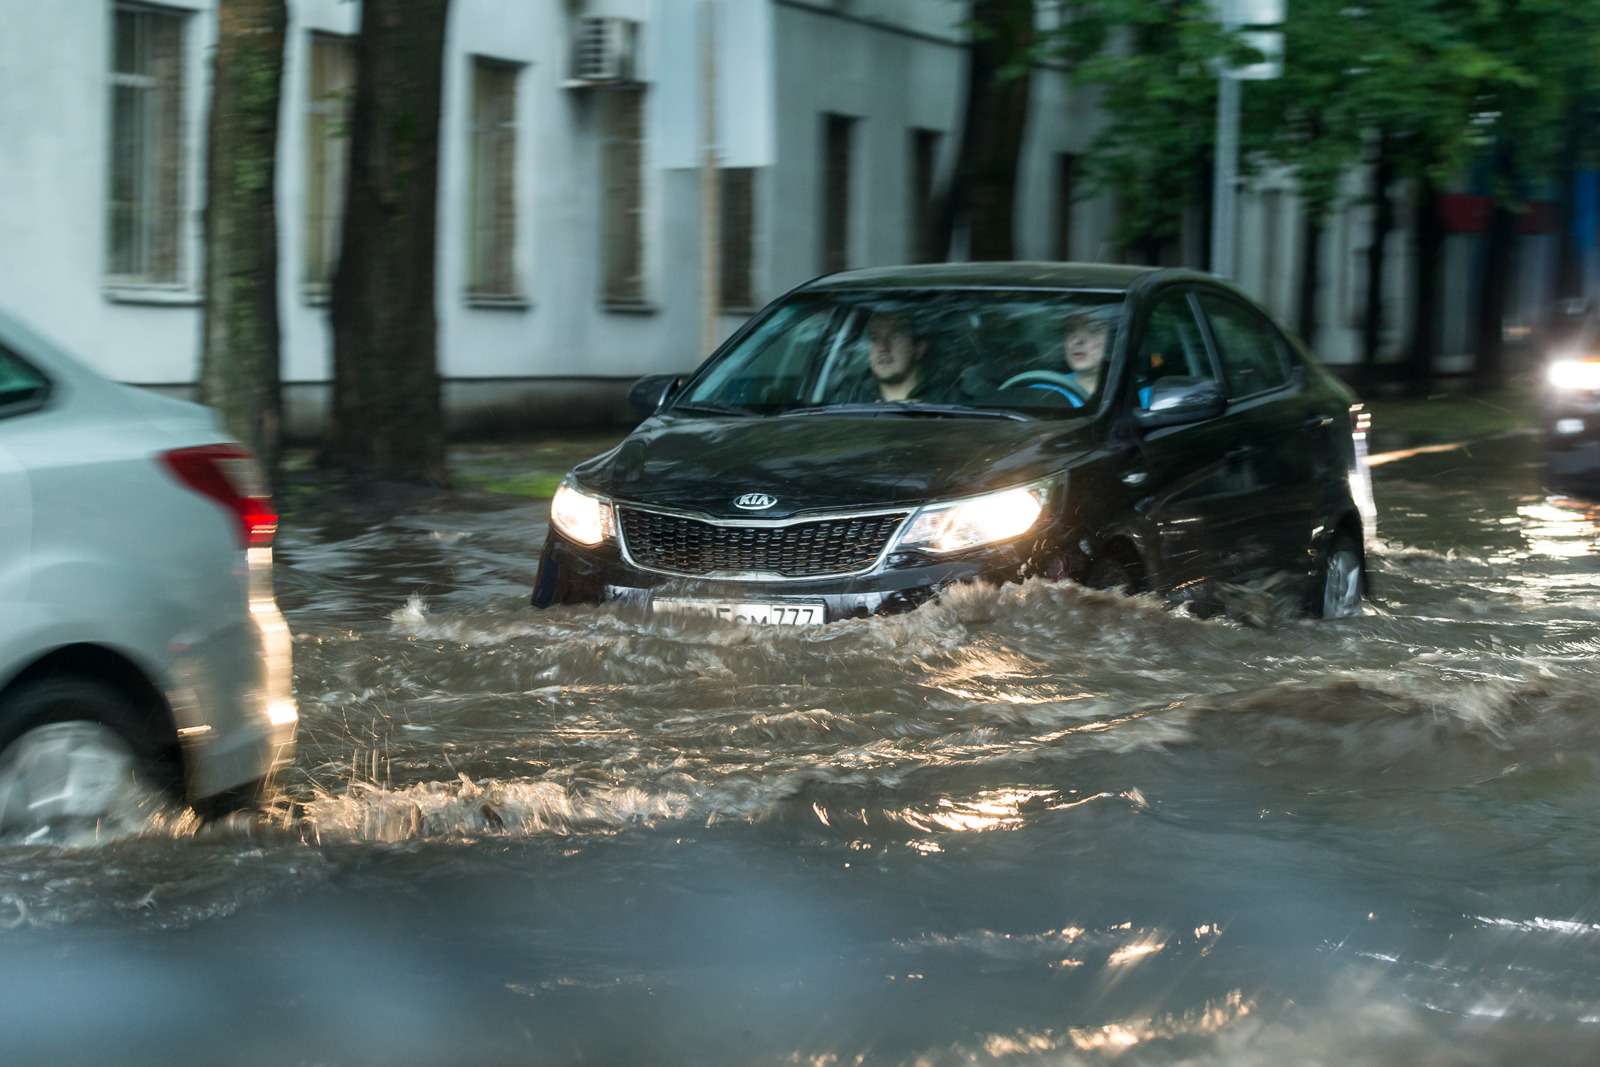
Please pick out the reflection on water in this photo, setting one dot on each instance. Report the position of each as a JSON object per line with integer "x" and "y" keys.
{"x": 1037, "y": 824}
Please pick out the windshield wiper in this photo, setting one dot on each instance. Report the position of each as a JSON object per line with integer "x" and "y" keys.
{"x": 712, "y": 409}
{"x": 910, "y": 407}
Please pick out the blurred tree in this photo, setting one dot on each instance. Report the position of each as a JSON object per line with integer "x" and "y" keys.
{"x": 386, "y": 421}
{"x": 1532, "y": 114}
{"x": 239, "y": 350}
{"x": 1152, "y": 65}
{"x": 981, "y": 194}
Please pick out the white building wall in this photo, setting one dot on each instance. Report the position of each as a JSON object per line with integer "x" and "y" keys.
{"x": 54, "y": 126}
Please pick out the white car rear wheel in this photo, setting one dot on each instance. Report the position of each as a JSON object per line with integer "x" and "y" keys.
{"x": 63, "y": 774}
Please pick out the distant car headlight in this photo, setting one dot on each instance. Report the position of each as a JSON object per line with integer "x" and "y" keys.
{"x": 979, "y": 520}
{"x": 581, "y": 517}
{"x": 1574, "y": 374}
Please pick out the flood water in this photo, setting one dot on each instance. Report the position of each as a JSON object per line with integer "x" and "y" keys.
{"x": 1032, "y": 825}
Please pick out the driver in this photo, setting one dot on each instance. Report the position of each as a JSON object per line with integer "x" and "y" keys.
{"x": 1085, "y": 347}
{"x": 1085, "y": 338}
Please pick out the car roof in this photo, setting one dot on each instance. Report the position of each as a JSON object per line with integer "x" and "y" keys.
{"x": 1007, "y": 275}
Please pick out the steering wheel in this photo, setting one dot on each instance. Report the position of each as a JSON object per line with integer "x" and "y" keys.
{"x": 1048, "y": 377}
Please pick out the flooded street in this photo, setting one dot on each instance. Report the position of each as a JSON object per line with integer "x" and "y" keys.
{"x": 1036, "y": 824}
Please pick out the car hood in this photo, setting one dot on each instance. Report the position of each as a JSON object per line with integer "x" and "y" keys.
{"x": 816, "y": 462}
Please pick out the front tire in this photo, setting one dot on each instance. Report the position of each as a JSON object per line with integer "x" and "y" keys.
{"x": 73, "y": 757}
{"x": 1112, "y": 575}
{"x": 1342, "y": 578}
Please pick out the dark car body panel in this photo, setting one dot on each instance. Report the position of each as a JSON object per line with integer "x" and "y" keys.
{"x": 820, "y": 463}
{"x": 1259, "y": 489}
{"x": 1572, "y": 460}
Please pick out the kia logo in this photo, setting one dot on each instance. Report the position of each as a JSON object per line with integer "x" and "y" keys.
{"x": 755, "y": 501}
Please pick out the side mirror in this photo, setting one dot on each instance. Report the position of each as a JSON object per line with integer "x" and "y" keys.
{"x": 650, "y": 392}
{"x": 1179, "y": 401}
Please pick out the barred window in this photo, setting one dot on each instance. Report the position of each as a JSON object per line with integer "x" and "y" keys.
{"x": 144, "y": 231}
{"x": 333, "y": 70}
{"x": 738, "y": 237}
{"x": 493, "y": 226}
{"x": 622, "y": 227}
{"x": 837, "y": 131}
{"x": 923, "y": 171}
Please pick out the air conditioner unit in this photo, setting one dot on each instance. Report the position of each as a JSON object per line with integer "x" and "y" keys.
{"x": 604, "y": 51}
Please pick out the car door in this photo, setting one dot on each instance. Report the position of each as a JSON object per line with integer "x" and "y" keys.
{"x": 1186, "y": 478}
{"x": 1268, "y": 416}
{"x": 20, "y": 389}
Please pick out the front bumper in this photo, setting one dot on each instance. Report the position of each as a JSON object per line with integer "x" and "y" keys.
{"x": 1572, "y": 437}
{"x": 571, "y": 574}
{"x": 234, "y": 703}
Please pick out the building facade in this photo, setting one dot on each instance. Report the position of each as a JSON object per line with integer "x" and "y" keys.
{"x": 570, "y": 213}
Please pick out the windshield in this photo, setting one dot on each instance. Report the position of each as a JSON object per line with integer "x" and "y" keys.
{"x": 941, "y": 351}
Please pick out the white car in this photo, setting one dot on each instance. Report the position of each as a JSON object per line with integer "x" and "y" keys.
{"x": 140, "y": 643}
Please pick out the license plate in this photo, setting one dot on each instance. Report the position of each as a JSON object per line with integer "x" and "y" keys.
{"x": 756, "y": 614}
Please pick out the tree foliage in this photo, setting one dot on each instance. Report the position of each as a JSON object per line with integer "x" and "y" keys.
{"x": 1151, "y": 65}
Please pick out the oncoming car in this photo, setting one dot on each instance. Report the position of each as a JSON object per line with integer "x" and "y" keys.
{"x": 873, "y": 437}
{"x": 141, "y": 647}
{"x": 1572, "y": 409}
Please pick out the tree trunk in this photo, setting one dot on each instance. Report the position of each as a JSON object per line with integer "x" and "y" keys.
{"x": 386, "y": 418}
{"x": 1310, "y": 274}
{"x": 1489, "y": 366}
{"x": 1430, "y": 253}
{"x": 1569, "y": 271}
{"x": 1377, "y": 259}
{"x": 239, "y": 348}
{"x": 983, "y": 184}
{"x": 1205, "y": 181}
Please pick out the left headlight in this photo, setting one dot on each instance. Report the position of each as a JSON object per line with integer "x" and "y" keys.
{"x": 1574, "y": 374}
{"x": 581, "y": 517}
{"x": 976, "y": 521}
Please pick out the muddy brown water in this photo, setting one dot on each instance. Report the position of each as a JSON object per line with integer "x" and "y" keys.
{"x": 1031, "y": 825}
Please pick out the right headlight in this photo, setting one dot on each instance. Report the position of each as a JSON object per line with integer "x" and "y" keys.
{"x": 976, "y": 521}
{"x": 580, "y": 516}
{"x": 1574, "y": 374}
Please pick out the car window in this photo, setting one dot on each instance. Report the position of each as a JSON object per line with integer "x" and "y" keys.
{"x": 1172, "y": 347}
{"x": 1252, "y": 358}
{"x": 1031, "y": 352}
{"x": 20, "y": 385}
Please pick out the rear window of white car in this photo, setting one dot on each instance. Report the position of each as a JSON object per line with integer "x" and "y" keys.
{"x": 20, "y": 385}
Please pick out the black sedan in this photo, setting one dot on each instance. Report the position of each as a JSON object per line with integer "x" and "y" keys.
{"x": 872, "y": 437}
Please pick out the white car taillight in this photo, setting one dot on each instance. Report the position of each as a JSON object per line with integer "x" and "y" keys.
{"x": 228, "y": 476}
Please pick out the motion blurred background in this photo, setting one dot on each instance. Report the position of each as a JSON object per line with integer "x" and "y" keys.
{"x": 372, "y": 225}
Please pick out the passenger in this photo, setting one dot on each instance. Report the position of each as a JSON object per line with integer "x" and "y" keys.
{"x": 895, "y": 354}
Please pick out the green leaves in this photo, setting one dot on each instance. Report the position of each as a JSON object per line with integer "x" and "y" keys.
{"x": 1445, "y": 78}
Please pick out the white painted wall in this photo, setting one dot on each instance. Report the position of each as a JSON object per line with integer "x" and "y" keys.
{"x": 54, "y": 104}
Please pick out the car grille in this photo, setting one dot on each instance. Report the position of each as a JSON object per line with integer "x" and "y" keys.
{"x": 798, "y": 550}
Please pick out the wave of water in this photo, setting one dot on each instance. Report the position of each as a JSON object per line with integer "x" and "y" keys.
{"x": 1028, "y": 824}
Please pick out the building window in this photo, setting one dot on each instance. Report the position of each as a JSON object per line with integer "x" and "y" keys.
{"x": 332, "y": 86}
{"x": 492, "y": 229}
{"x": 924, "y": 170}
{"x": 837, "y": 131}
{"x": 144, "y": 240}
{"x": 738, "y": 237}
{"x": 622, "y": 228}
{"x": 1066, "y": 172}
